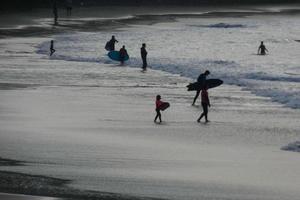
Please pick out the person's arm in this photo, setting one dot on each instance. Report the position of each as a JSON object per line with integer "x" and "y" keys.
{"x": 258, "y": 50}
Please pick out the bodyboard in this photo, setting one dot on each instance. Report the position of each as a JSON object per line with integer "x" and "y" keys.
{"x": 164, "y": 106}
{"x": 211, "y": 83}
{"x": 115, "y": 55}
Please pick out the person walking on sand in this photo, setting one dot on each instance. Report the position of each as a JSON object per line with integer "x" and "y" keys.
{"x": 52, "y": 50}
{"x": 123, "y": 54}
{"x": 144, "y": 56}
{"x": 205, "y": 104}
{"x": 201, "y": 81}
{"x": 262, "y": 49}
{"x": 158, "y": 103}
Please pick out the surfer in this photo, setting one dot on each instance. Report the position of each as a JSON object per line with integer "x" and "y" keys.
{"x": 144, "y": 56}
{"x": 110, "y": 45}
{"x": 123, "y": 54}
{"x": 158, "y": 103}
{"x": 262, "y": 49}
{"x": 205, "y": 104}
{"x": 201, "y": 81}
{"x": 52, "y": 50}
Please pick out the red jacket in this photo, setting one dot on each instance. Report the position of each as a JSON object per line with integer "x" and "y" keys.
{"x": 158, "y": 103}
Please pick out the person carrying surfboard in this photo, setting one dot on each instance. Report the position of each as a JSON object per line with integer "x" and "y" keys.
{"x": 158, "y": 103}
{"x": 110, "y": 45}
{"x": 144, "y": 56}
{"x": 201, "y": 81}
{"x": 262, "y": 49}
{"x": 123, "y": 54}
{"x": 205, "y": 104}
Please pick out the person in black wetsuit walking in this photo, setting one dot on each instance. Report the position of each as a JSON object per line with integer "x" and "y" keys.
{"x": 262, "y": 49}
{"x": 201, "y": 81}
{"x": 205, "y": 104}
{"x": 144, "y": 56}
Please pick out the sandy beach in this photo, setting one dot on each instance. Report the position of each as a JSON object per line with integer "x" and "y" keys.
{"x": 88, "y": 123}
{"x": 5, "y": 196}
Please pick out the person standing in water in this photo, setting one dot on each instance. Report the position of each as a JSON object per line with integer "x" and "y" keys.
{"x": 158, "y": 103}
{"x": 52, "y": 50}
{"x": 201, "y": 81}
{"x": 111, "y": 43}
{"x": 262, "y": 49}
{"x": 144, "y": 56}
{"x": 205, "y": 104}
{"x": 123, "y": 54}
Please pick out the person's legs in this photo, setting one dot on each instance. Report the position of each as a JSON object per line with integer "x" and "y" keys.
{"x": 195, "y": 98}
{"x": 205, "y": 111}
{"x": 158, "y": 115}
{"x": 144, "y": 63}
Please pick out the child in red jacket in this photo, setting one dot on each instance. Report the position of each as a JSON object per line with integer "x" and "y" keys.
{"x": 158, "y": 103}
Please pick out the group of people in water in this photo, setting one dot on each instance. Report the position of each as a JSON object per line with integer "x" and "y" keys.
{"x": 110, "y": 46}
{"x": 201, "y": 80}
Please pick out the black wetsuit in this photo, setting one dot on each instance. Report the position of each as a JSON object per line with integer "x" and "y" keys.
{"x": 201, "y": 80}
{"x": 144, "y": 57}
{"x": 262, "y": 49}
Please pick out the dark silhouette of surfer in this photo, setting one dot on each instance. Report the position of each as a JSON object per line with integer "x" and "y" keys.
{"x": 205, "y": 104}
{"x": 110, "y": 45}
{"x": 123, "y": 54}
{"x": 262, "y": 49}
{"x": 55, "y": 12}
{"x": 144, "y": 56}
{"x": 158, "y": 103}
{"x": 201, "y": 81}
{"x": 52, "y": 50}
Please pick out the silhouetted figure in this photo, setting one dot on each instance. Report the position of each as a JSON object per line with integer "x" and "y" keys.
{"x": 110, "y": 45}
{"x": 144, "y": 56}
{"x": 158, "y": 103}
{"x": 201, "y": 81}
{"x": 52, "y": 50}
{"x": 262, "y": 49}
{"x": 69, "y": 6}
{"x": 205, "y": 104}
{"x": 123, "y": 54}
{"x": 55, "y": 12}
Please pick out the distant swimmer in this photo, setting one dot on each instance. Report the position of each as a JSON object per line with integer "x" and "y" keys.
{"x": 123, "y": 54}
{"x": 262, "y": 49}
{"x": 144, "y": 56}
{"x": 205, "y": 104}
{"x": 201, "y": 81}
{"x": 110, "y": 45}
{"x": 52, "y": 50}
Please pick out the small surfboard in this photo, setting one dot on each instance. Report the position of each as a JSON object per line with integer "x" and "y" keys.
{"x": 164, "y": 106}
{"x": 115, "y": 55}
{"x": 107, "y": 46}
{"x": 211, "y": 83}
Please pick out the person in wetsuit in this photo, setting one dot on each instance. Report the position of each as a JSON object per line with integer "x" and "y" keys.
{"x": 158, "y": 103}
{"x": 205, "y": 104}
{"x": 262, "y": 49}
{"x": 52, "y": 50}
{"x": 201, "y": 81}
{"x": 144, "y": 56}
{"x": 123, "y": 54}
{"x": 111, "y": 43}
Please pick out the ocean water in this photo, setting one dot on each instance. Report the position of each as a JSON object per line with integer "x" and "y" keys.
{"x": 57, "y": 113}
{"x": 221, "y": 42}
